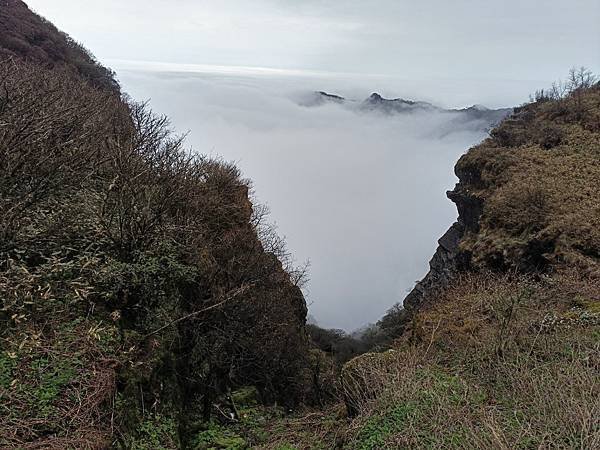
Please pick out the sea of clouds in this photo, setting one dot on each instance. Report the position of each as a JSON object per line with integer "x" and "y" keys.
{"x": 359, "y": 195}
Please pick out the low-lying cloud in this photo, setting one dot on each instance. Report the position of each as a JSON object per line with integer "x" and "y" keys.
{"x": 360, "y": 195}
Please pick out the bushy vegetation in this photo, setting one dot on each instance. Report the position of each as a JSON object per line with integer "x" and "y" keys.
{"x": 538, "y": 179}
{"x": 135, "y": 287}
{"x": 342, "y": 346}
{"x": 27, "y": 36}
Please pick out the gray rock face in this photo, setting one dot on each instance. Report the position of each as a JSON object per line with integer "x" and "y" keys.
{"x": 444, "y": 265}
{"x": 448, "y": 259}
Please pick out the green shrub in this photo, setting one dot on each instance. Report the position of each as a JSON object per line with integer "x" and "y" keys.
{"x": 156, "y": 432}
{"x": 218, "y": 437}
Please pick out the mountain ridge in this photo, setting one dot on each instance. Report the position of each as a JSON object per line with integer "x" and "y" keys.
{"x": 377, "y": 104}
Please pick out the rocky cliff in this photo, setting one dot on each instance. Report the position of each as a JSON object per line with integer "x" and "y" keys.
{"x": 526, "y": 196}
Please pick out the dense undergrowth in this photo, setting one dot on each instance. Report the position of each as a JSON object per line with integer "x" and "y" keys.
{"x": 138, "y": 284}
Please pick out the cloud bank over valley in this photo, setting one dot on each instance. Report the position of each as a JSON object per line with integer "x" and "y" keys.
{"x": 358, "y": 192}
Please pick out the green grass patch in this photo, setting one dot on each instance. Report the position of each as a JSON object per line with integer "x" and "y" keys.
{"x": 217, "y": 437}
{"x": 7, "y": 367}
{"x": 156, "y": 432}
{"x": 374, "y": 433}
{"x": 50, "y": 379}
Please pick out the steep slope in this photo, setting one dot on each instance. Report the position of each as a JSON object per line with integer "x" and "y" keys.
{"x": 528, "y": 196}
{"x": 27, "y": 36}
{"x": 138, "y": 286}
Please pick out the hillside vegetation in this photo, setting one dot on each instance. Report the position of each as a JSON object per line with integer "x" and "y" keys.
{"x": 139, "y": 285}
{"x": 537, "y": 183}
{"x": 25, "y": 35}
{"x": 501, "y": 348}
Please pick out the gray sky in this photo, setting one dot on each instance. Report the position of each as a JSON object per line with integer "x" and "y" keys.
{"x": 362, "y": 197}
{"x": 435, "y": 39}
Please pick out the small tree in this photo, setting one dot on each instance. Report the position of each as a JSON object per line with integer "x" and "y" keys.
{"x": 579, "y": 79}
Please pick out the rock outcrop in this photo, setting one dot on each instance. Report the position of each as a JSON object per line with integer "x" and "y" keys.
{"x": 520, "y": 208}
{"x": 444, "y": 265}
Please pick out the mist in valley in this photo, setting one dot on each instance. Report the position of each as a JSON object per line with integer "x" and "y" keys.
{"x": 360, "y": 195}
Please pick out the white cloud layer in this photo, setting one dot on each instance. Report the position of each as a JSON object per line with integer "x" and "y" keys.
{"x": 360, "y": 195}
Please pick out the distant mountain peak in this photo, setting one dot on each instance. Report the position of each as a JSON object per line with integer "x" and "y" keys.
{"x": 375, "y": 102}
{"x": 331, "y": 96}
{"x": 477, "y": 116}
{"x": 477, "y": 108}
{"x": 377, "y": 98}
{"x": 320, "y": 98}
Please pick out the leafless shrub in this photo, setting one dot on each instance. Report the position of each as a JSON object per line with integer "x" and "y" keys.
{"x": 579, "y": 78}
{"x": 52, "y": 136}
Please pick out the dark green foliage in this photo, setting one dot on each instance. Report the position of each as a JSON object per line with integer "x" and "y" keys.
{"x": 340, "y": 345}
{"x": 153, "y": 258}
{"x": 343, "y": 346}
{"x": 217, "y": 437}
{"x": 7, "y": 366}
{"x": 155, "y": 432}
{"x": 391, "y": 325}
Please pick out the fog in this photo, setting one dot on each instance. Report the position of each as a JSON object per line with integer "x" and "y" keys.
{"x": 359, "y": 195}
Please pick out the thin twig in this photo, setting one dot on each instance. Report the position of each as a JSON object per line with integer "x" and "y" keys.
{"x": 432, "y": 336}
{"x": 195, "y": 313}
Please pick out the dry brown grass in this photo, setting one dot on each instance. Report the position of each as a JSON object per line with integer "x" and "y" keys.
{"x": 324, "y": 430}
{"x": 496, "y": 362}
{"x": 541, "y": 205}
